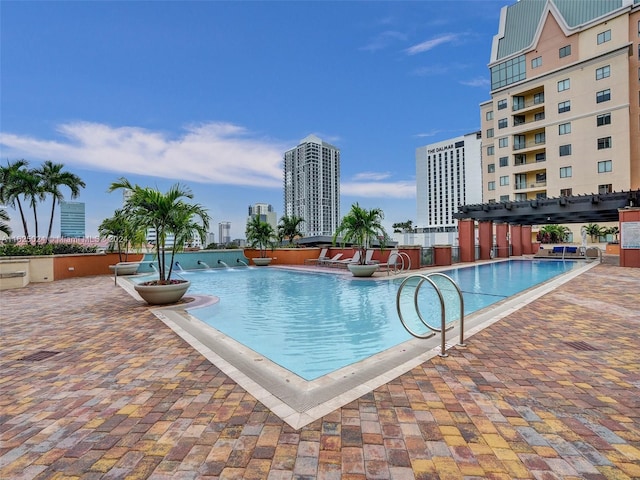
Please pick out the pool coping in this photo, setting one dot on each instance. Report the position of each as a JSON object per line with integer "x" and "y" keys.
{"x": 299, "y": 402}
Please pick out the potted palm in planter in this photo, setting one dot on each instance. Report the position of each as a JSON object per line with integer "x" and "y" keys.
{"x": 361, "y": 227}
{"x": 122, "y": 236}
{"x": 168, "y": 214}
{"x": 260, "y": 235}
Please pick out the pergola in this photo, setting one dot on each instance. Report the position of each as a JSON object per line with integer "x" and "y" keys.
{"x": 590, "y": 208}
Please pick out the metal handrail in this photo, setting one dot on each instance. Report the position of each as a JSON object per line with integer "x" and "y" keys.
{"x": 442, "y": 330}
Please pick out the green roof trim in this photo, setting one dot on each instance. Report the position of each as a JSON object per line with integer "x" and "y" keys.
{"x": 522, "y": 19}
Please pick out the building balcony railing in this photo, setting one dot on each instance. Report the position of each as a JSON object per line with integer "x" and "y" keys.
{"x": 527, "y": 185}
{"x": 527, "y": 104}
{"x": 529, "y": 144}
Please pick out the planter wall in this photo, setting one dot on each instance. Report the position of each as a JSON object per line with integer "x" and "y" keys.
{"x": 70, "y": 266}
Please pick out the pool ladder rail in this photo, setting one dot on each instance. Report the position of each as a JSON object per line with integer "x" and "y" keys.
{"x": 429, "y": 279}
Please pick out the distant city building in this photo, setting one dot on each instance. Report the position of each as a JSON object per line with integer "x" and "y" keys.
{"x": 224, "y": 233}
{"x": 447, "y": 175}
{"x": 211, "y": 238}
{"x": 72, "y": 220}
{"x": 265, "y": 212}
{"x": 312, "y": 186}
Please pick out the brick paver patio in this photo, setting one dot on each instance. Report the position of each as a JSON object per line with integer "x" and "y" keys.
{"x": 551, "y": 391}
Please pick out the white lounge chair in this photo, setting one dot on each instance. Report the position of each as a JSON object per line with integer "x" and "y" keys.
{"x": 321, "y": 257}
{"x": 329, "y": 262}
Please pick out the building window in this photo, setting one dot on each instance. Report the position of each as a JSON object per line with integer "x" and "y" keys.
{"x": 566, "y": 192}
{"x": 489, "y": 132}
{"x": 536, "y": 62}
{"x": 604, "y": 166}
{"x": 490, "y": 150}
{"x": 603, "y": 96}
{"x": 538, "y": 116}
{"x": 504, "y": 181}
{"x": 504, "y": 198}
{"x": 503, "y": 142}
{"x": 518, "y": 120}
{"x": 519, "y": 142}
{"x": 541, "y": 177}
{"x": 564, "y": 85}
{"x": 604, "y": 142}
{"x": 564, "y": 106}
{"x": 607, "y": 188}
{"x": 541, "y": 157}
{"x": 603, "y": 72}
{"x": 489, "y": 115}
{"x": 565, "y": 172}
{"x": 491, "y": 186}
{"x": 540, "y": 138}
{"x": 502, "y": 123}
{"x": 565, "y": 51}
{"x": 564, "y": 128}
{"x": 511, "y": 71}
{"x": 565, "y": 150}
{"x": 502, "y": 104}
{"x": 491, "y": 168}
{"x": 604, "y": 119}
{"x": 519, "y": 159}
{"x": 518, "y": 102}
{"x": 538, "y": 98}
{"x": 504, "y": 161}
{"x": 604, "y": 36}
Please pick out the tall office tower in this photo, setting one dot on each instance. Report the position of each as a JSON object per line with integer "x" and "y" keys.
{"x": 265, "y": 212}
{"x": 72, "y": 220}
{"x": 312, "y": 186}
{"x": 447, "y": 176}
{"x": 564, "y": 114}
{"x": 224, "y": 233}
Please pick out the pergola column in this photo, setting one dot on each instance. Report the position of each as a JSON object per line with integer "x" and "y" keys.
{"x": 485, "y": 239}
{"x": 466, "y": 240}
{"x": 502, "y": 242}
{"x": 527, "y": 243}
{"x": 516, "y": 240}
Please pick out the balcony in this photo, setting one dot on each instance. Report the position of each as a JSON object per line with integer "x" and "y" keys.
{"x": 531, "y": 144}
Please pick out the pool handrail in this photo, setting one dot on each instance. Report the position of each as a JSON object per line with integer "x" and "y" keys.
{"x": 443, "y": 328}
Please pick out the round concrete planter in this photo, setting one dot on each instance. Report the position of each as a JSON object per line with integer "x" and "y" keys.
{"x": 125, "y": 268}
{"x": 358, "y": 270}
{"x": 162, "y": 294}
{"x": 261, "y": 262}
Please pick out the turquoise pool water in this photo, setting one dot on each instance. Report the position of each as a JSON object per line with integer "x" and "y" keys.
{"x": 314, "y": 323}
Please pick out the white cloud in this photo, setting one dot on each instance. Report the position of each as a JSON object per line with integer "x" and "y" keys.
{"x": 476, "y": 82}
{"x": 219, "y": 153}
{"x": 430, "y": 44}
{"x": 371, "y": 176}
{"x": 383, "y": 40}
{"x": 400, "y": 189}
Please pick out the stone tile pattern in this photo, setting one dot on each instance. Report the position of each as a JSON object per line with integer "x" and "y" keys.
{"x": 126, "y": 398}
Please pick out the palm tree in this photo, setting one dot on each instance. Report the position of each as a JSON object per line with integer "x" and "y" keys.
{"x": 361, "y": 227}
{"x": 52, "y": 177}
{"x": 10, "y": 190}
{"x": 594, "y": 231}
{"x": 289, "y": 228}
{"x": 166, "y": 213}
{"x": 260, "y": 235}
{"x": 4, "y": 228}
{"x": 29, "y": 184}
{"x": 554, "y": 233}
{"x": 122, "y": 233}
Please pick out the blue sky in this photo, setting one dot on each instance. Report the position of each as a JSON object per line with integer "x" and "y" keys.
{"x": 211, "y": 94}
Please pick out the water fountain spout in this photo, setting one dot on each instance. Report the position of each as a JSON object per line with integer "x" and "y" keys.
{"x": 223, "y": 263}
{"x": 179, "y": 267}
{"x": 242, "y": 262}
{"x": 200, "y": 262}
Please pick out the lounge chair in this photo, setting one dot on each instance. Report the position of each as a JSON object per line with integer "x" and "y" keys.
{"x": 329, "y": 262}
{"x": 354, "y": 259}
{"x": 392, "y": 262}
{"x": 321, "y": 257}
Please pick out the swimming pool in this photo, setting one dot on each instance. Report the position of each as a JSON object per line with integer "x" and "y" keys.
{"x": 313, "y": 323}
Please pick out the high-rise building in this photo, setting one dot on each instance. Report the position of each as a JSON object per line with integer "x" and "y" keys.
{"x": 72, "y": 220}
{"x": 564, "y": 114}
{"x": 265, "y": 212}
{"x": 224, "y": 233}
{"x": 312, "y": 186}
{"x": 447, "y": 176}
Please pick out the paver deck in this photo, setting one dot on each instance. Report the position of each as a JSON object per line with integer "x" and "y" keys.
{"x": 550, "y": 391}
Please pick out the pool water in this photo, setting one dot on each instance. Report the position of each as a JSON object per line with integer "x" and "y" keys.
{"x": 313, "y": 323}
